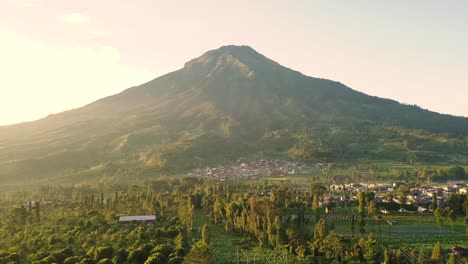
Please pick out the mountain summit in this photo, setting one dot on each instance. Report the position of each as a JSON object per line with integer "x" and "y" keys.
{"x": 229, "y": 103}
{"x": 242, "y": 58}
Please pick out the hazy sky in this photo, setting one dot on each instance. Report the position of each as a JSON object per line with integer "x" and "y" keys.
{"x": 61, "y": 54}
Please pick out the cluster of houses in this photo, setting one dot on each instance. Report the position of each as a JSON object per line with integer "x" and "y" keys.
{"x": 420, "y": 197}
{"x": 252, "y": 169}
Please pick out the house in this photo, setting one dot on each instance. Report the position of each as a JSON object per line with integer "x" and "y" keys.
{"x": 137, "y": 218}
{"x": 459, "y": 251}
{"x": 423, "y": 210}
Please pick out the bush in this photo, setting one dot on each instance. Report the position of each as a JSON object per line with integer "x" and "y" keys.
{"x": 104, "y": 253}
{"x": 105, "y": 261}
{"x": 87, "y": 261}
{"x": 14, "y": 257}
{"x": 118, "y": 259}
{"x": 154, "y": 259}
{"x": 71, "y": 260}
{"x": 122, "y": 253}
{"x": 50, "y": 259}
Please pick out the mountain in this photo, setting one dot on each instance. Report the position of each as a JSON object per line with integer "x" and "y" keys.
{"x": 229, "y": 103}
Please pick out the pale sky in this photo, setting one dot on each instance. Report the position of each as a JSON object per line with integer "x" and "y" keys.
{"x": 57, "y": 55}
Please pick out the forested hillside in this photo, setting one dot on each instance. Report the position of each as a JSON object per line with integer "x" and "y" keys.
{"x": 229, "y": 103}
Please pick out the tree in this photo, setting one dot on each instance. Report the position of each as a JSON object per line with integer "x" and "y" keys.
{"x": 186, "y": 210}
{"x": 466, "y": 224}
{"x": 18, "y": 216}
{"x": 360, "y": 198}
{"x": 38, "y": 211}
{"x": 103, "y": 253}
{"x": 402, "y": 195}
{"x": 422, "y": 257}
{"x": 87, "y": 261}
{"x": 361, "y": 201}
{"x": 321, "y": 230}
{"x": 154, "y": 259}
{"x": 371, "y": 207}
{"x": 434, "y": 201}
{"x": 438, "y": 215}
{"x": 331, "y": 245}
{"x": 71, "y": 260}
{"x": 371, "y": 249}
{"x": 362, "y": 224}
{"x": 457, "y": 202}
{"x": 120, "y": 256}
{"x": 436, "y": 256}
{"x": 413, "y": 256}
{"x": 14, "y": 258}
{"x": 452, "y": 259}
{"x": 453, "y": 218}
{"x": 387, "y": 256}
{"x": 456, "y": 172}
{"x": 205, "y": 235}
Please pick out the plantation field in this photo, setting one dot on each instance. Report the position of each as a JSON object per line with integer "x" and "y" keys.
{"x": 232, "y": 247}
{"x": 419, "y": 231}
{"x": 411, "y": 232}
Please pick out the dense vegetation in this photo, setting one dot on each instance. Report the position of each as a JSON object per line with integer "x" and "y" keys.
{"x": 197, "y": 220}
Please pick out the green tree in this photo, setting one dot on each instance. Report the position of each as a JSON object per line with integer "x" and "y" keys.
{"x": 14, "y": 258}
{"x": 422, "y": 257}
{"x": 137, "y": 256}
{"x": 466, "y": 224}
{"x": 154, "y": 259}
{"x": 205, "y": 235}
{"x": 87, "y": 261}
{"x": 71, "y": 260}
{"x": 387, "y": 256}
{"x": 371, "y": 249}
{"x": 457, "y": 202}
{"x": 18, "y": 216}
{"x": 361, "y": 196}
{"x": 105, "y": 261}
{"x": 436, "y": 256}
{"x": 434, "y": 201}
{"x": 402, "y": 195}
{"x": 321, "y": 229}
{"x": 331, "y": 245}
{"x": 453, "y": 218}
{"x": 438, "y": 213}
{"x": 452, "y": 259}
{"x": 103, "y": 253}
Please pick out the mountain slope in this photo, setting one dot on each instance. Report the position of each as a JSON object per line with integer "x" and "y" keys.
{"x": 228, "y": 103}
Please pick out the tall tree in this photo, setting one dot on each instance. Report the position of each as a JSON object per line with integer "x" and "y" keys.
{"x": 361, "y": 201}
{"x": 438, "y": 213}
{"x": 452, "y": 259}
{"x": 436, "y": 256}
{"x": 205, "y": 235}
{"x": 453, "y": 218}
{"x": 466, "y": 224}
{"x": 434, "y": 201}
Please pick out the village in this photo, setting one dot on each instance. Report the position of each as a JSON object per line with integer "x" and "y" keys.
{"x": 410, "y": 199}
{"x": 252, "y": 169}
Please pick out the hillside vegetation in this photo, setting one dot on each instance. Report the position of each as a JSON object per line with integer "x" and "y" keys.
{"x": 227, "y": 104}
